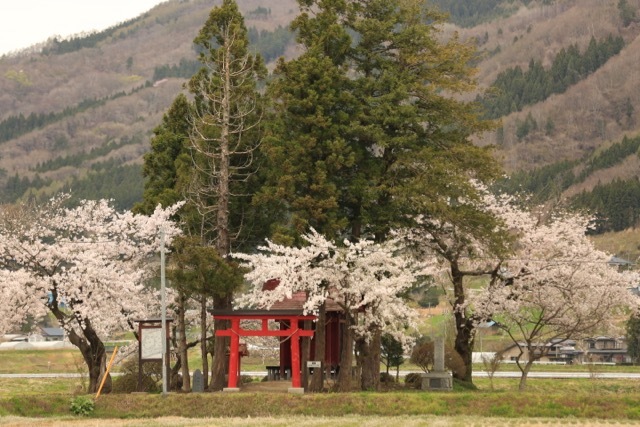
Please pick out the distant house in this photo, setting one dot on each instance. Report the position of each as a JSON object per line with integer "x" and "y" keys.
{"x": 590, "y": 350}
{"x": 606, "y": 350}
{"x": 621, "y": 263}
{"x": 52, "y": 334}
{"x": 556, "y": 351}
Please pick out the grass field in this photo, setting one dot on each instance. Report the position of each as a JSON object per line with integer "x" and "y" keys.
{"x": 592, "y": 401}
{"x": 70, "y": 361}
{"x": 546, "y": 402}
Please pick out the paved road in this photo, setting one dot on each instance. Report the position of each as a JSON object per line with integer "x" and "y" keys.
{"x": 515, "y": 374}
{"x": 479, "y": 374}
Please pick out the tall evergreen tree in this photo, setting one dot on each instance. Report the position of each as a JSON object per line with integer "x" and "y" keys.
{"x": 308, "y": 140}
{"x": 367, "y": 133}
{"x": 420, "y": 136}
{"x": 223, "y": 137}
{"x": 204, "y": 152}
{"x": 168, "y": 155}
{"x": 312, "y": 163}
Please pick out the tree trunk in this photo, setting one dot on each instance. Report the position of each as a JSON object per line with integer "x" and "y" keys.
{"x": 90, "y": 345}
{"x": 346, "y": 355}
{"x": 182, "y": 343}
{"x": 320, "y": 340}
{"x": 222, "y": 205}
{"x": 464, "y": 345}
{"x": 92, "y": 349}
{"x": 203, "y": 340}
{"x": 359, "y": 353}
{"x": 220, "y": 346}
{"x": 465, "y": 331}
{"x": 522, "y": 386}
{"x": 370, "y": 380}
{"x": 174, "y": 384}
{"x": 305, "y": 344}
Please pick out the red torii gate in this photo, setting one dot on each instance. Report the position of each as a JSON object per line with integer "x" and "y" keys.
{"x": 293, "y": 333}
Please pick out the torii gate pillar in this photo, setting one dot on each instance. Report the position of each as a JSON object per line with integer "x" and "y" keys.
{"x": 293, "y": 333}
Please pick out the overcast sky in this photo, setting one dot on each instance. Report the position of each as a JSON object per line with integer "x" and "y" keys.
{"x": 24, "y": 23}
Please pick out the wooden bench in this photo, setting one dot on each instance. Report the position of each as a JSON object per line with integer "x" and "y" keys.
{"x": 273, "y": 373}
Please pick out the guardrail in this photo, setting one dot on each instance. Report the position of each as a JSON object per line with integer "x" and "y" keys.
{"x": 537, "y": 362}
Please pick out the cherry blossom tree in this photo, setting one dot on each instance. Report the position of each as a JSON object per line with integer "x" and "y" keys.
{"x": 86, "y": 265}
{"x": 365, "y": 278}
{"x": 557, "y": 287}
{"x": 469, "y": 238}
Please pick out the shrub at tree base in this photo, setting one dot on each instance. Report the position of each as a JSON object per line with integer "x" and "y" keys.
{"x": 387, "y": 378}
{"x": 246, "y": 379}
{"x": 128, "y": 381}
{"x": 423, "y": 356}
{"x": 413, "y": 380}
{"x": 82, "y": 405}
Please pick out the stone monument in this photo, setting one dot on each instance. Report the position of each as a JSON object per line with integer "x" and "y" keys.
{"x": 438, "y": 379}
{"x": 198, "y": 382}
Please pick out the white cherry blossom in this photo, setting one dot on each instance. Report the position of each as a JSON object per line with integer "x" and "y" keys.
{"x": 87, "y": 265}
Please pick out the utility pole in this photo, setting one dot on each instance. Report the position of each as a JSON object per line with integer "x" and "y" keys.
{"x": 164, "y": 315}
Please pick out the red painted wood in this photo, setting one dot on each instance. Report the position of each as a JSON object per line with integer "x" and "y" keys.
{"x": 262, "y": 317}
{"x": 246, "y": 333}
{"x": 234, "y": 355}
{"x": 289, "y": 329}
{"x": 295, "y": 354}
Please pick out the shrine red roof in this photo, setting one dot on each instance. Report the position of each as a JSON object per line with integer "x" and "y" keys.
{"x": 297, "y": 300}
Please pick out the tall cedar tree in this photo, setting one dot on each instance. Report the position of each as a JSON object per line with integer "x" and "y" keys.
{"x": 224, "y": 137}
{"x": 162, "y": 163}
{"x": 308, "y": 137}
{"x": 425, "y": 156}
{"x": 308, "y": 142}
{"x": 368, "y": 130}
{"x": 192, "y": 145}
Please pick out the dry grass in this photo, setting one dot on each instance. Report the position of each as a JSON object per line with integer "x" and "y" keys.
{"x": 625, "y": 244}
{"x": 40, "y": 361}
{"x": 355, "y": 421}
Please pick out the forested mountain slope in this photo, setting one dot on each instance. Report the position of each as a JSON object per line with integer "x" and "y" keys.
{"x": 83, "y": 109}
{"x": 570, "y": 70}
{"x": 589, "y": 113}
{"x": 79, "y": 114}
